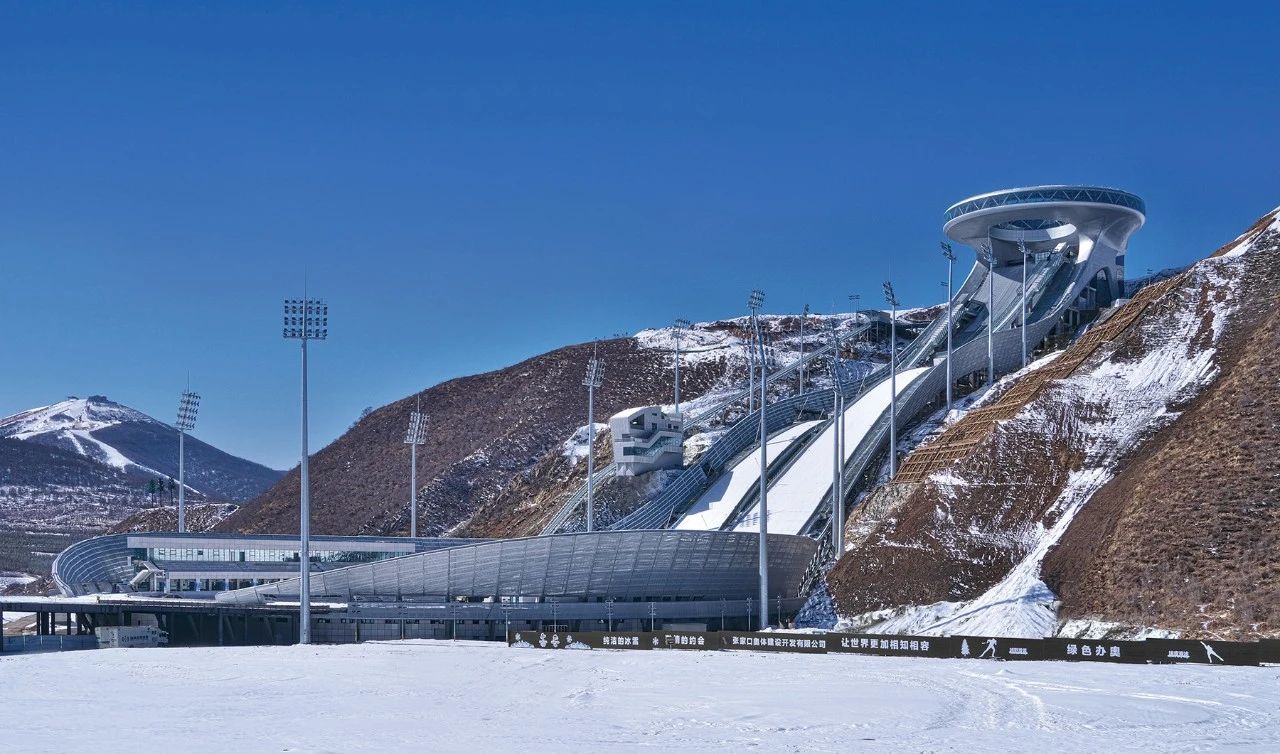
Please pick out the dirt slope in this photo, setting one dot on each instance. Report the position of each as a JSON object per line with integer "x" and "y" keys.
{"x": 483, "y": 432}
{"x": 1187, "y": 535}
{"x": 1142, "y": 490}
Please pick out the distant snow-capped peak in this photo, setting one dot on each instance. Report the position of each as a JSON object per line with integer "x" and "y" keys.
{"x": 71, "y": 415}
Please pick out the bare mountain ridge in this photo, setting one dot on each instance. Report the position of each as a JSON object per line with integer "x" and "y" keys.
{"x": 483, "y": 432}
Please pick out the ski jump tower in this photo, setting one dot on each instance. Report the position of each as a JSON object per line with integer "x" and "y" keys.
{"x": 1088, "y": 227}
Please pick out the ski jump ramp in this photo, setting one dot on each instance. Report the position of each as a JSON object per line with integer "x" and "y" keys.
{"x": 1074, "y": 239}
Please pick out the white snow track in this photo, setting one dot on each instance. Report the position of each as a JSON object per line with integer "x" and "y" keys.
{"x": 804, "y": 486}
{"x": 715, "y": 506}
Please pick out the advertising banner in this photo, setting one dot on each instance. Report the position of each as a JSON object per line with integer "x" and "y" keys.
{"x": 1095, "y": 650}
{"x": 1207, "y": 652}
{"x": 535, "y": 639}
{"x": 892, "y": 646}
{"x": 768, "y": 641}
{"x": 997, "y": 648}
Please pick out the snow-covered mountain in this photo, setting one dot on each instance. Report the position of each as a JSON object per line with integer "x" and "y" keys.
{"x": 91, "y": 459}
{"x": 72, "y": 425}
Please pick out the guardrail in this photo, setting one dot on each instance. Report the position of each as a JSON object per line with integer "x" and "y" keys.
{"x": 58, "y": 643}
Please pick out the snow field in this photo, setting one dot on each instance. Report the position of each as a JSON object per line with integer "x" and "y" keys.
{"x": 443, "y": 696}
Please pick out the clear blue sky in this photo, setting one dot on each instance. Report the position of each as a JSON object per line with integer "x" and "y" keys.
{"x": 470, "y": 184}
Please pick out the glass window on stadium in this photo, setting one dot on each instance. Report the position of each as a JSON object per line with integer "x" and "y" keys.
{"x": 262, "y": 555}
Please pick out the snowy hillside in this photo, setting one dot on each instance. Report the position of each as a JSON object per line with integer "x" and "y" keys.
{"x": 84, "y": 464}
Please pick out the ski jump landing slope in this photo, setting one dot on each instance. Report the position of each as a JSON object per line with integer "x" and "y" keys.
{"x": 794, "y": 498}
{"x": 715, "y": 506}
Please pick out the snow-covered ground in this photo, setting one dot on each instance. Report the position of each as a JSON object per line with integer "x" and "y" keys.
{"x": 7, "y": 579}
{"x": 579, "y": 443}
{"x": 441, "y": 696}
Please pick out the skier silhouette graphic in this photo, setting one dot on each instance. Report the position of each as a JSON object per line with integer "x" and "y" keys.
{"x": 991, "y": 647}
{"x": 1209, "y": 654}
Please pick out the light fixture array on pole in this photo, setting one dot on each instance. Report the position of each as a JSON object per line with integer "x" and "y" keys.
{"x": 680, "y": 326}
{"x": 188, "y": 407}
{"x": 989, "y": 259}
{"x": 754, "y": 302}
{"x": 593, "y": 379}
{"x": 413, "y": 437}
{"x": 951, "y": 261}
{"x": 891, "y": 299}
{"x": 305, "y": 319}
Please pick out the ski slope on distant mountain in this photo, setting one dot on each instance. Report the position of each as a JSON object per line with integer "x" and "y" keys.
{"x": 70, "y": 425}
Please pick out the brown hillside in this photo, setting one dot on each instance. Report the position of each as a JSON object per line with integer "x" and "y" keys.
{"x": 483, "y": 431}
{"x": 1187, "y": 535}
{"x": 1183, "y": 536}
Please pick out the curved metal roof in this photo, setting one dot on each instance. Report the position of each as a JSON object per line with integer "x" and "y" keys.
{"x": 622, "y": 565}
{"x": 1046, "y": 195}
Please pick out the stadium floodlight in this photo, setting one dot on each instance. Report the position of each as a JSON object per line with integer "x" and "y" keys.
{"x": 1022, "y": 306}
{"x": 754, "y": 302}
{"x": 988, "y": 258}
{"x": 413, "y": 437}
{"x": 891, "y": 299}
{"x": 837, "y": 444}
{"x": 680, "y": 326}
{"x": 593, "y": 379}
{"x": 951, "y": 262}
{"x": 801, "y": 371}
{"x": 305, "y": 319}
{"x": 188, "y": 407}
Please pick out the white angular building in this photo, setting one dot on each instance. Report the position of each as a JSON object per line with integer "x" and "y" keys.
{"x": 646, "y": 439}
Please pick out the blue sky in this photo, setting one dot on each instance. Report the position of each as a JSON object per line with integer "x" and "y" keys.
{"x": 471, "y": 184}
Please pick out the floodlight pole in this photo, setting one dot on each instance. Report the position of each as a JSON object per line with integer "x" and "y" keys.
{"x": 182, "y": 479}
{"x": 800, "y": 372}
{"x": 751, "y": 373}
{"x": 891, "y": 299}
{"x": 305, "y": 319}
{"x": 837, "y": 457}
{"x": 987, "y": 256}
{"x": 593, "y": 380}
{"x": 188, "y": 405}
{"x": 413, "y": 490}
{"x": 681, "y": 325}
{"x": 1022, "y": 315}
{"x": 414, "y": 437}
{"x": 754, "y": 302}
{"x": 951, "y": 262}
{"x": 304, "y": 528}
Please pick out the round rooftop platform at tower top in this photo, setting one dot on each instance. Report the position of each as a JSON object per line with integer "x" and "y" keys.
{"x": 1045, "y": 214}
{"x": 1045, "y": 195}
